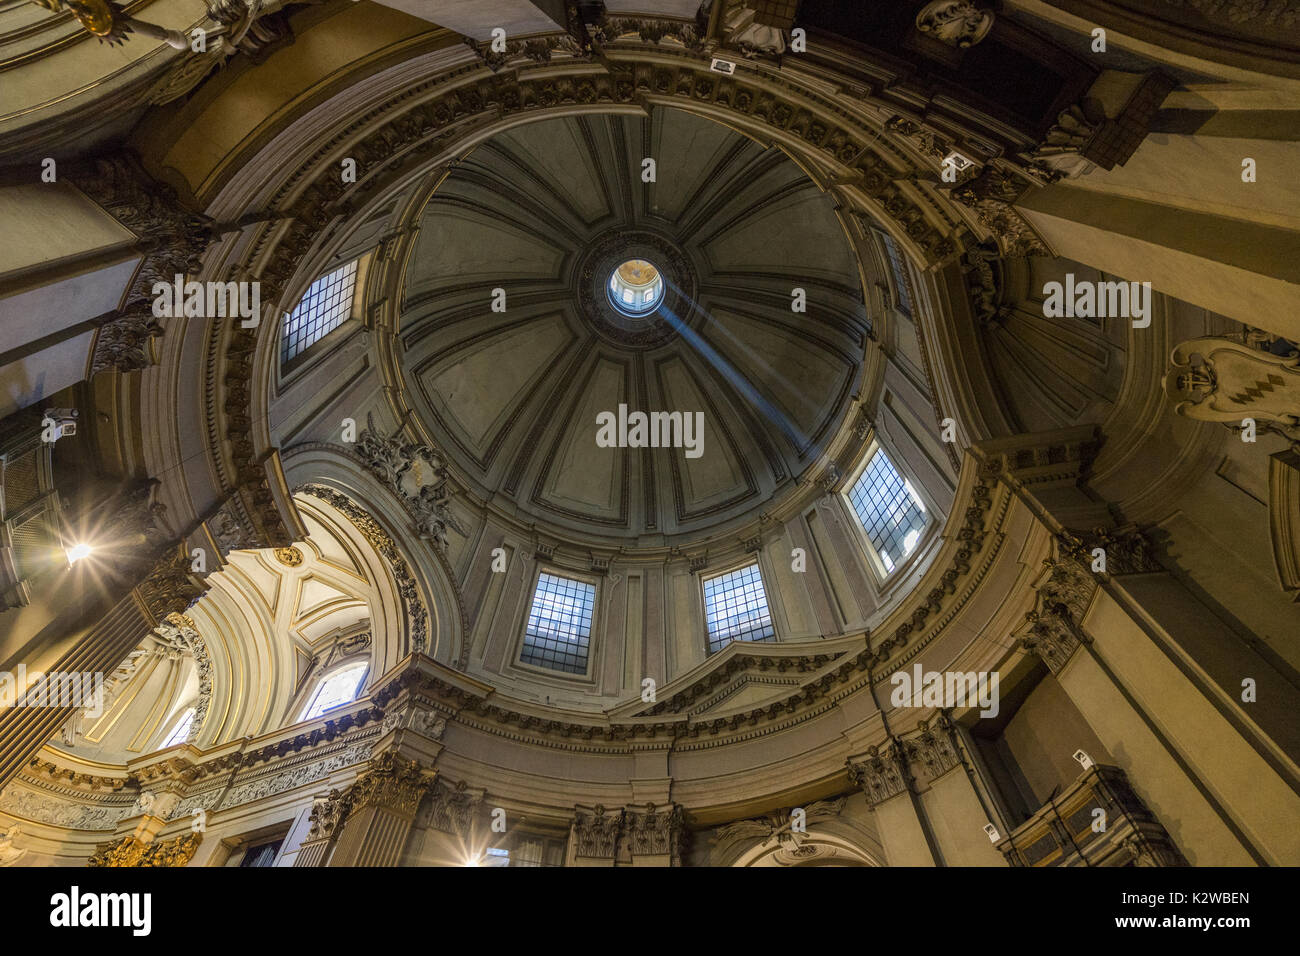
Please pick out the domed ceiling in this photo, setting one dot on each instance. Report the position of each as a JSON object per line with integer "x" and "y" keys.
{"x": 513, "y": 345}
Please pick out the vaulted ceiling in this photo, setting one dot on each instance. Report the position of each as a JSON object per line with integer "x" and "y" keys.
{"x": 544, "y": 212}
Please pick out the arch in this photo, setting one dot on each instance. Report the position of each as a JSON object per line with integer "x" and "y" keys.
{"x": 431, "y": 615}
{"x": 818, "y": 847}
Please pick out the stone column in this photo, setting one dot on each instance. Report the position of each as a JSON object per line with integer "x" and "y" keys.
{"x": 929, "y": 807}
{"x": 948, "y": 795}
{"x": 655, "y": 836}
{"x": 382, "y": 806}
{"x": 1159, "y": 681}
{"x": 883, "y": 775}
{"x": 596, "y": 833}
{"x": 327, "y": 815}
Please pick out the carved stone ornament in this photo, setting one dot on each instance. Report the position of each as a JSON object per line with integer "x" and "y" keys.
{"x": 1053, "y": 630}
{"x": 426, "y": 723}
{"x": 328, "y": 814}
{"x": 608, "y": 29}
{"x": 983, "y": 268}
{"x": 288, "y": 772}
{"x": 652, "y": 831}
{"x": 596, "y": 832}
{"x": 779, "y": 822}
{"x": 1061, "y": 151}
{"x": 1127, "y": 550}
{"x": 170, "y": 588}
{"x": 1219, "y": 380}
{"x": 926, "y": 141}
{"x": 393, "y": 783}
{"x": 1283, "y": 13}
{"x": 10, "y": 854}
{"x": 452, "y": 809}
{"x": 180, "y": 632}
{"x": 418, "y": 475}
{"x": 290, "y": 557}
{"x": 958, "y": 23}
{"x": 535, "y": 50}
{"x": 880, "y": 774}
{"x": 131, "y": 851}
{"x": 746, "y": 31}
{"x": 229, "y": 528}
{"x": 990, "y": 195}
{"x": 931, "y": 748}
{"x": 174, "y": 238}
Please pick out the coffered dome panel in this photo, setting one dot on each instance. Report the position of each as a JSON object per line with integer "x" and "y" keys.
{"x": 725, "y": 230}
{"x": 464, "y": 385}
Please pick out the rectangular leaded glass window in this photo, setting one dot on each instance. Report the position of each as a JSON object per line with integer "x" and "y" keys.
{"x": 899, "y": 268}
{"x": 325, "y": 306}
{"x": 735, "y": 608}
{"x": 559, "y": 624}
{"x": 891, "y": 511}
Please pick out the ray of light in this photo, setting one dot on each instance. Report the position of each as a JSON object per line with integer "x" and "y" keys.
{"x": 756, "y": 399}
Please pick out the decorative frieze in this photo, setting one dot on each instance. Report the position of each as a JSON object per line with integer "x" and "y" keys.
{"x": 62, "y": 809}
{"x": 265, "y": 782}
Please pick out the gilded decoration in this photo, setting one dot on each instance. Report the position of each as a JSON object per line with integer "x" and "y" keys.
{"x": 131, "y": 851}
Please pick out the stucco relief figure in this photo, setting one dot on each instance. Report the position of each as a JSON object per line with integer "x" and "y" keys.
{"x": 418, "y": 474}
{"x": 753, "y": 38}
{"x": 10, "y": 854}
{"x": 958, "y": 23}
{"x": 1218, "y": 380}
